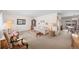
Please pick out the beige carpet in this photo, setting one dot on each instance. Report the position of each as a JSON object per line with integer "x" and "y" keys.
{"x": 62, "y": 41}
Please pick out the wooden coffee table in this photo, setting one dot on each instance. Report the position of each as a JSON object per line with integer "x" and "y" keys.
{"x": 39, "y": 34}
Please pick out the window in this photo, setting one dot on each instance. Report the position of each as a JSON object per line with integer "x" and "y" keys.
{"x": 1, "y": 26}
{"x": 1, "y": 21}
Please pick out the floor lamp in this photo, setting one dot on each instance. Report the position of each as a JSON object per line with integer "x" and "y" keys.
{"x": 8, "y": 25}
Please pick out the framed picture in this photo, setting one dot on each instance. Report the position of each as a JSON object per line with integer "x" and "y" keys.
{"x": 21, "y": 21}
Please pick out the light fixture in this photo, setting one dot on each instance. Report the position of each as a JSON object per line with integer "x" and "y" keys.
{"x": 8, "y": 25}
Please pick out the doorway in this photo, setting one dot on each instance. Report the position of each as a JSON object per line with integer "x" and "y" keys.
{"x": 33, "y": 24}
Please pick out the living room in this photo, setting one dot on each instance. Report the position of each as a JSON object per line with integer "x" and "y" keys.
{"x": 38, "y": 29}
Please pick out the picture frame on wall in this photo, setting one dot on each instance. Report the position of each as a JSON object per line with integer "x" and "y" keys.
{"x": 21, "y": 21}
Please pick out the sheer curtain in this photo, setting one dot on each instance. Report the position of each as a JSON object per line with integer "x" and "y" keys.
{"x": 1, "y": 26}
{"x": 1, "y": 21}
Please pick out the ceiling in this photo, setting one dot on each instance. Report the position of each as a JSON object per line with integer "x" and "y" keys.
{"x": 34, "y": 13}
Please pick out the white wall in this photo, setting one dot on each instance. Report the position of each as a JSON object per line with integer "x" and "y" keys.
{"x": 14, "y": 20}
{"x": 50, "y": 19}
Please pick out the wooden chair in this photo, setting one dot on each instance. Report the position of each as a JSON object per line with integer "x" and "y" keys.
{"x": 7, "y": 37}
{"x": 5, "y": 41}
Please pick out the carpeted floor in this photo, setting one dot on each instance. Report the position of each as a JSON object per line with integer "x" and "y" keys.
{"x": 62, "y": 41}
